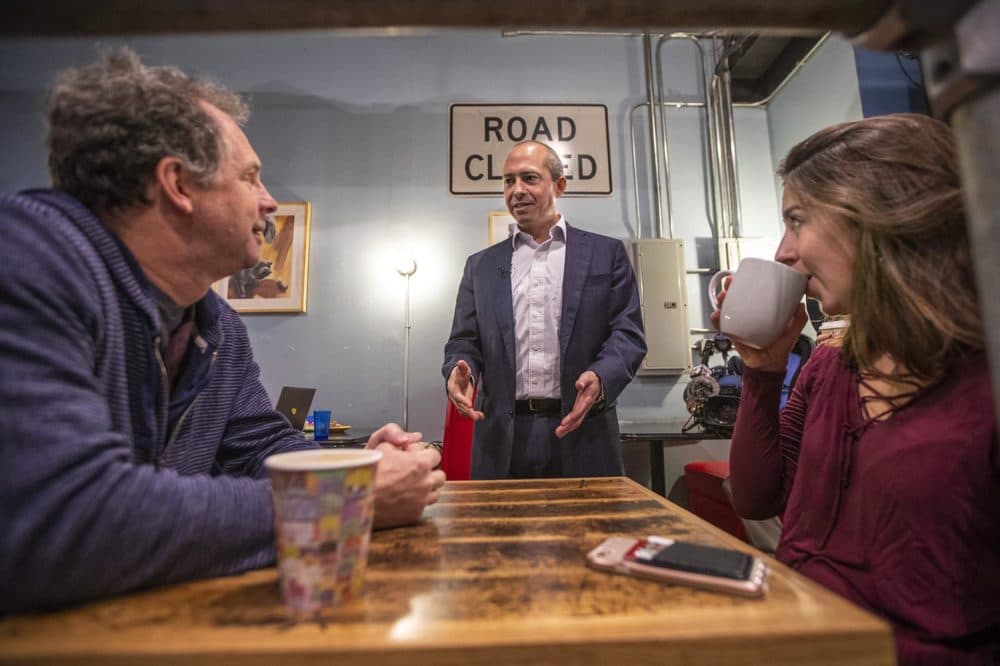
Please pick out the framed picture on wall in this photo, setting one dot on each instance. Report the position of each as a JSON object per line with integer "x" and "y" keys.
{"x": 278, "y": 283}
{"x": 498, "y": 227}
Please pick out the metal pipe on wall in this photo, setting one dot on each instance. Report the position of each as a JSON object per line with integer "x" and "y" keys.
{"x": 652, "y": 98}
{"x": 736, "y": 217}
{"x": 665, "y": 103}
{"x": 720, "y": 184}
{"x": 665, "y": 144}
{"x": 724, "y": 145}
{"x": 635, "y": 169}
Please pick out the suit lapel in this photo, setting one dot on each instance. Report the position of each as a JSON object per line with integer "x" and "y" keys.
{"x": 579, "y": 251}
{"x": 499, "y": 267}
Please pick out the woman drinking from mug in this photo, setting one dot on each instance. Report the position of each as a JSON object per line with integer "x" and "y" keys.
{"x": 885, "y": 462}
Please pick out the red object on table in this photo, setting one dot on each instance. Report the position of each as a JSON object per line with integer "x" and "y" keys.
{"x": 456, "y": 455}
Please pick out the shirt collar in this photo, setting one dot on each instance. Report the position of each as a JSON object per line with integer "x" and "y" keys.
{"x": 557, "y": 232}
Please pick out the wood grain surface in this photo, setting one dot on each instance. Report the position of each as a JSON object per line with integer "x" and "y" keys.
{"x": 494, "y": 574}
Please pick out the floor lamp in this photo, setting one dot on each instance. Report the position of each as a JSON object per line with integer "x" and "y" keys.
{"x": 406, "y": 268}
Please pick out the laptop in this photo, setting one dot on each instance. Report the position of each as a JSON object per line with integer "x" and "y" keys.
{"x": 294, "y": 403}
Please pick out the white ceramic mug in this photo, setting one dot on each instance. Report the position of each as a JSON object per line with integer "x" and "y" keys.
{"x": 759, "y": 302}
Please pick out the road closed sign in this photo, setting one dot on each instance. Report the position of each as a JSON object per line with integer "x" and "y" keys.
{"x": 482, "y": 135}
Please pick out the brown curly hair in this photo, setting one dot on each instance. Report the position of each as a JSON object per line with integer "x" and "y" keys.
{"x": 111, "y": 122}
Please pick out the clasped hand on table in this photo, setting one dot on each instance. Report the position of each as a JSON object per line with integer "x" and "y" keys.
{"x": 406, "y": 479}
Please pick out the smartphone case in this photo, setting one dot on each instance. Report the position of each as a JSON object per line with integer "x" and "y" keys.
{"x": 694, "y": 558}
{"x": 613, "y": 555}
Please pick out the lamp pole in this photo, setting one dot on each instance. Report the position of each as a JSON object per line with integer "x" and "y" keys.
{"x": 406, "y": 269}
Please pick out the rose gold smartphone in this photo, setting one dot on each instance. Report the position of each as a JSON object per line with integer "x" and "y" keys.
{"x": 683, "y": 563}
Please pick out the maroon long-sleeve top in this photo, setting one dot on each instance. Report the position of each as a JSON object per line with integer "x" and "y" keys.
{"x": 900, "y": 516}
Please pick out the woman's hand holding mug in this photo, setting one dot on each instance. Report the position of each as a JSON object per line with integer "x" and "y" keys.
{"x": 760, "y": 307}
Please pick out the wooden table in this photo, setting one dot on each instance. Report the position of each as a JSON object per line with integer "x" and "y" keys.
{"x": 350, "y": 438}
{"x": 658, "y": 434}
{"x": 494, "y": 575}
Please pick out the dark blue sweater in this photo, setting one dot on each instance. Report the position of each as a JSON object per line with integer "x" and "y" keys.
{"x": 106, "y": 483}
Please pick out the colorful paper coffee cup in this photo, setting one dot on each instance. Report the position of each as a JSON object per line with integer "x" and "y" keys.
{"x": 323, "y": 510}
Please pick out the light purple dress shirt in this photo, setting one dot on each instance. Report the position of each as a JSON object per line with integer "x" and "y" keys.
{"x": 536, "y": 280}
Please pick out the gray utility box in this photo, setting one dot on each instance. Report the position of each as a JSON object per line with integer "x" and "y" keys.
{"x": 659, "y": 267}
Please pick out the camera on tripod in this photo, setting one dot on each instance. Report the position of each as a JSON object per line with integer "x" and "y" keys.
{"x": 712, "y": 395}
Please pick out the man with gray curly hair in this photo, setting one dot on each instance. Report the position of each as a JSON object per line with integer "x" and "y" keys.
{"x": 150, "y": 468}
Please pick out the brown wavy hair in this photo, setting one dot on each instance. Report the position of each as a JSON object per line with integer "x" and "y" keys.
{"x": 112, "y": 121}
{"x": 895, "y": 179}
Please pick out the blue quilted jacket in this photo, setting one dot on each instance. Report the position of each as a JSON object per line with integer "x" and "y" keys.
{"x": 107, "y": 483}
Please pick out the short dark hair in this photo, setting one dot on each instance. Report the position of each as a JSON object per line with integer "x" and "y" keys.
{"x": 553, "y": 163}
{"x": 110, "y": 122}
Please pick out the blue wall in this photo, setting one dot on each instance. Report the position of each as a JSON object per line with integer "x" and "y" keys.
{"x": 889, "y": 83}
{"x": 825, "y": 93}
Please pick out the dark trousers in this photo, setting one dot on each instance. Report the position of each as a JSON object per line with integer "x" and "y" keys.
{"x": 536, "y": 450}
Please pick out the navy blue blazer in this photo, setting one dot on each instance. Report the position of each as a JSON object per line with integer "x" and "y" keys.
{"x": 600, "y": 329}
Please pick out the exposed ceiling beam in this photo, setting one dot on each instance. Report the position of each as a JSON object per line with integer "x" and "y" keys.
{"x": 24, "y": 18}
{"x": 766, "y": 65}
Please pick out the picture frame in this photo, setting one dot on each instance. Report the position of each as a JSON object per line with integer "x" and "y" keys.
{"x": 279, "y": 281}
{"x": 498, "y": 226}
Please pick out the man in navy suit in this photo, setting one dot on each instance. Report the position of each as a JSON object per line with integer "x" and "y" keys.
{"x": 547, "y": 325}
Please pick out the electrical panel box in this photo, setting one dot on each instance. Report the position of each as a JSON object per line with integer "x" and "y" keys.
{"x": 659, "y": 268}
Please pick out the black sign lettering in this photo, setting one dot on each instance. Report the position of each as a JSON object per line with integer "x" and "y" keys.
{"x": 468, "y": 167}
{"x": 567, "y": 128}
{"x": 541, "y": 129}
{"x": 482, "y": 136}
{"x": 519, "y": 134}
{"x": 492, "y": 124}
{"x": 566, "y": 165}
{"x": 489, "y": 170}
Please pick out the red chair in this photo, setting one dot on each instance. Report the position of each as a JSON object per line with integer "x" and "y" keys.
{"x": 708, "y": 500}
{"x": 456, "y": 454}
